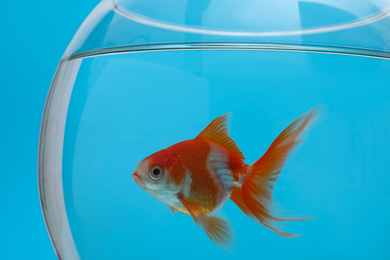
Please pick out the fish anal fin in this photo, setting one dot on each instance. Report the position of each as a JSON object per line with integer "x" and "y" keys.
{"x": 172, "y": 209}
{"x": 217, "y": 229}
{"x": 217, "y": 132}
{"x": 236, "y": 197}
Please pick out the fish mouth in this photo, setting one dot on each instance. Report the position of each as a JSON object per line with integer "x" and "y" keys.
{"x": 137, "y": 179}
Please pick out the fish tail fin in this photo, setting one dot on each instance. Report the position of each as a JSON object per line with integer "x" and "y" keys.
{"x": 254, "y": 196}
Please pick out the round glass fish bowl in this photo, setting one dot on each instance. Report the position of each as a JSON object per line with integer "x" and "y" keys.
{"x": 179, "y": 92}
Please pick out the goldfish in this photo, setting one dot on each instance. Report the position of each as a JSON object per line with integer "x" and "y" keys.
{"x": 197, "y": 177}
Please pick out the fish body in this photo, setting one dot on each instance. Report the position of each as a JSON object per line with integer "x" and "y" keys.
{"x": 201, "y": 170}
{"x": 197, "y": 176}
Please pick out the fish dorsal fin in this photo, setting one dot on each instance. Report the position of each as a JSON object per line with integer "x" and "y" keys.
{"x": 217, "y": 132}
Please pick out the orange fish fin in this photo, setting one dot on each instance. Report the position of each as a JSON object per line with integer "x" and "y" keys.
{"x": 217, "y": 132}
{"x": 217, "y": 229}
{"x": 258, "y": 210}
{"x": 254, "y": 197}
{"x": 172, "y": 209}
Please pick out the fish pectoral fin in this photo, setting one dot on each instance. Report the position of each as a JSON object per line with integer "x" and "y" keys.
{"x": 217, "y": 229}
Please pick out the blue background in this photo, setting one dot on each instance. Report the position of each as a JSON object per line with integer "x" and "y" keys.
{"x": 33, "y": 37}
{"x": 339, "y": 175}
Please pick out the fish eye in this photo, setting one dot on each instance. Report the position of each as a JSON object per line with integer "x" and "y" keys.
{"x": 155, "y": 172}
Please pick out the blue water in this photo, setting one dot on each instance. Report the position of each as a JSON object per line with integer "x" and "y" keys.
{"x": 126, "y": 106}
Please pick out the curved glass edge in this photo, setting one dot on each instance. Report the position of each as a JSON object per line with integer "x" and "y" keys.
{"x": 106, "y": 28}
{"x": 88, "y": 27}
{"x": 50, "y": 160}
{"x": 220, "y": 32}
{"x": 234, "y": 46}
{"x": 251, "y": 16}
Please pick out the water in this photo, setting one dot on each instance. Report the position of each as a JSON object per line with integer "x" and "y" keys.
{"x": 125, "y": 106}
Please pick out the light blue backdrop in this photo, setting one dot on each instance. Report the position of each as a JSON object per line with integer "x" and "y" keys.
{"x": 33, "y": 37}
